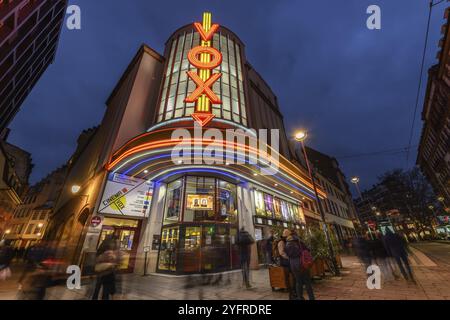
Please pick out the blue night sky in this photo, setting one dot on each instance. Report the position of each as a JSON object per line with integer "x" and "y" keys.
{"x": 354, "y": 89}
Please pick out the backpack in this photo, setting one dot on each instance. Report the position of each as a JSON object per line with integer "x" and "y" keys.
{"x": 306, "y": 258}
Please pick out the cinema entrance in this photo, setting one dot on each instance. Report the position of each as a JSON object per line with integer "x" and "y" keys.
{"x": 200, "y": 226}
{"x": 127, "y": 232}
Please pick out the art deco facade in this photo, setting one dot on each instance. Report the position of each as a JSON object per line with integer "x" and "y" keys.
{"x": 184, "y": 214}
{"x": 29, "y": 34}
{"x": 434, "y": 148}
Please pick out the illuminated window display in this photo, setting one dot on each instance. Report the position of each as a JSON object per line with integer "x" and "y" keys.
{"x": 259, "y": 203}
{"x": 271, "y": 207}
{"x": 202, "y": 237}
{"x": 268, "y": 200}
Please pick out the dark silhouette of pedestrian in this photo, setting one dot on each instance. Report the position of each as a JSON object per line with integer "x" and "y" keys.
{"x": 244, "y": 241}
{"x": 107, "y": 261}
{"x": 397, "y": 248}
{"x": 269, "y": 249}
{"x": 295, "y": 250}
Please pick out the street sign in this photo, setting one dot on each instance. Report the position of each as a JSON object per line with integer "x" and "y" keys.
{"x": 96, "y": 221}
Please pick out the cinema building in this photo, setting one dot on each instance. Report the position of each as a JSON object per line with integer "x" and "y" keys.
{"x": 184, "y": 214}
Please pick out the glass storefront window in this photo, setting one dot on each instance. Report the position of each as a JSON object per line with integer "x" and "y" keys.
{"x": 259, "y": 204}
{"x": 204, "y": 240}
{"x": 168, "y": 249}
{"x": 284, "y": 210}
{"x": 227, "y": 202}
{"x": 277, "y": 208}
{"x": 190, "y": 246}
{"x": 200, "y": 193}
{"x": 268, "y": 201}
{"x": 173, "y": 202}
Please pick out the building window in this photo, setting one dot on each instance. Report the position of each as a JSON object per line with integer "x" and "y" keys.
{"x": 173, "y": 202}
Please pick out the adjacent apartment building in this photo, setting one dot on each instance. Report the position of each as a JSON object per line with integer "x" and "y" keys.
{"x": 29, "y": 35}
{"x": 31, "y": 217}
{"x": 15, "y": 170}
{"x": 434, "y": 147}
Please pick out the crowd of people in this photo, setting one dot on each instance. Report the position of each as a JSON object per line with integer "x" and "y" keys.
{"x": 389, "y": 252}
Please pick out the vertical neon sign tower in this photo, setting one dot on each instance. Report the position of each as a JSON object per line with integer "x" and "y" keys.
{"x": 205, "y": 58}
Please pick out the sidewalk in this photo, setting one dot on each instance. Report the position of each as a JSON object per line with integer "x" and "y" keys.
{"x": 432, "y": 283}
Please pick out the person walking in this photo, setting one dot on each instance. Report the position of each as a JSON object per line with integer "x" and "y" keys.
{"x": 396, "y": 246}
{"x": 244, "y": 241}
{"x": 269, "y": 249}
{"x": 300, "y": 261}
{"x": 106, "y": 264}
{"x": 6, "y": 256}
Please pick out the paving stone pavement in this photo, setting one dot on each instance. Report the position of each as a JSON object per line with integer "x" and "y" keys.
{"x": 431, "y": 284}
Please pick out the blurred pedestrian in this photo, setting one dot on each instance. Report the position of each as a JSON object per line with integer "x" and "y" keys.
{"x": 107, "y": 261}
{"x": 300, "y": 261}
{"x": 360, "y": 245}
{"x": 269, "y": 249}
{"x": 397, "y": 248}
{"x": 6, "y": 256}
{"x": 245, "y": 240}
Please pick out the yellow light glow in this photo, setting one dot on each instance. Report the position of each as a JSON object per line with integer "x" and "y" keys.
{"x": 300, "y": 135}
{"x": 75, "y": 189}
{"x": 355, "y": 180}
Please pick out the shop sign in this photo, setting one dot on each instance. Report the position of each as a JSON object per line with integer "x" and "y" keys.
{"x": 205, "y": 58}
{"x": 126, "y": 196}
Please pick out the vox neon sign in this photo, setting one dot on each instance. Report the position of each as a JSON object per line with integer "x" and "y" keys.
{"x": 205, "y": 58}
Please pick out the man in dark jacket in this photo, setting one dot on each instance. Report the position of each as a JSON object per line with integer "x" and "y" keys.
{"x": 396, "y": 246}
{"x": 244, "y": 241}
{"x": 294, "y": 249}
{"x": 269, "y": 248}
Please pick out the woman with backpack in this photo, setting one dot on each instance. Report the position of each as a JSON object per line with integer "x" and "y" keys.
{"x": 300, "y": 261}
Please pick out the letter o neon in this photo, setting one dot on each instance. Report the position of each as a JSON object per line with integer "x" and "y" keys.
{"x": 216, "y": 57}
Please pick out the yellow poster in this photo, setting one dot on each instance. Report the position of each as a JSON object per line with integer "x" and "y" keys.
{"x": 199, "y": 202}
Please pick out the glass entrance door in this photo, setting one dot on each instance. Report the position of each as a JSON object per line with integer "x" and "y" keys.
{"x": 127, "y": 232}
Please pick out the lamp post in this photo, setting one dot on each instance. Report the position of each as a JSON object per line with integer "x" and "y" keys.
{"x": 300, "y": 136}
{"x": 355, "y": 181}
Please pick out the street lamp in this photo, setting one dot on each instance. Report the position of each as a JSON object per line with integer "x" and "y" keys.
{"x": 75, "y": 189}
{"x": 301, "y": 136}
{"x": 441, "y": 199}
{"x": 355, "y": 181}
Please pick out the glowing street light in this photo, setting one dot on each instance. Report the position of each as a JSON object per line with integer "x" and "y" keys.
{"x": 355, "y": 180}
{"x": 75, "y": 189}
{"x": 301, "y": 135}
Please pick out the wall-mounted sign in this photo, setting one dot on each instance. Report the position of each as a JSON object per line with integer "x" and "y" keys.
{"x": 96, "y": 221}
{"x": 127, "y": 196}
{"x": 200, "y": 202}
{"x": 205, "y": 58}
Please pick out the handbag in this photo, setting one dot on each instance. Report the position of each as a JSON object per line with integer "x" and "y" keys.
{"x": 106, "y": 262}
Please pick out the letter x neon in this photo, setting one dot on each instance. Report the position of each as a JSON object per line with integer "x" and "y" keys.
{"x": 203, "y": 88}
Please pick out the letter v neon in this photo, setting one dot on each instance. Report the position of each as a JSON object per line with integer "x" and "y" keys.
{"x": 206, "y": 36}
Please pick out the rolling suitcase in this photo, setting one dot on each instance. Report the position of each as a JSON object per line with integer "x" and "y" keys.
{"x": 279, "y": 277}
